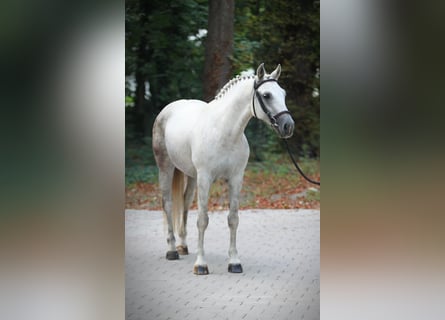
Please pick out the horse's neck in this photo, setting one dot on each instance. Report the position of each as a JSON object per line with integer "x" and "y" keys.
{"x": 234, "y": 109}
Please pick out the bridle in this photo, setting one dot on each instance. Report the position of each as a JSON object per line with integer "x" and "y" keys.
{"x": 273, "y": 118}
{"x": 273, "y": 121}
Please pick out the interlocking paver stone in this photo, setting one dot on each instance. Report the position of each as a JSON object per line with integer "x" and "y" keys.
{"x": 279, "y": 250}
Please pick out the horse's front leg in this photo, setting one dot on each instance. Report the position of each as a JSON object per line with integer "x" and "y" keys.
{"x": 233, "y": 220}
{"x": 200, "y": 267}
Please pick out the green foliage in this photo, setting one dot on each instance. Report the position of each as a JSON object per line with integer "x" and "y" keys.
{"x": 245, "y": 45}
{"x": 129, "y": 101}
{"x": 139, "y": 154}
{"x": 159, "y": 52}
{"x": 148, "y": 174}
{"x": 140, "y": 165}
{"x": 285, "y": 32}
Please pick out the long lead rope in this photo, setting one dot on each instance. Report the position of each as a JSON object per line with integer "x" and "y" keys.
{"x": 273, "y": 122}
{"x": 296, "y": 165}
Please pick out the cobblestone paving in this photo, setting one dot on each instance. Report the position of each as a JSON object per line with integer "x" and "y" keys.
{"x": 279, "y": 251}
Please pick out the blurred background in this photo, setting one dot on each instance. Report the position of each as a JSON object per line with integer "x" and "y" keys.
{"x": 62, "y": 159}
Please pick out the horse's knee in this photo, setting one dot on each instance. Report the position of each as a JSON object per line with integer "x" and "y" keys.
{"x": 203, "y": 220}
{"x": 233, "y": 219}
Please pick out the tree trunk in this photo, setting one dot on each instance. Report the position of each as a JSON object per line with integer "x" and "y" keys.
{"x": 219, "y": 46}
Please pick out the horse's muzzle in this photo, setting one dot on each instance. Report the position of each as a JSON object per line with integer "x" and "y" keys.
{"x": 285, "y": 126}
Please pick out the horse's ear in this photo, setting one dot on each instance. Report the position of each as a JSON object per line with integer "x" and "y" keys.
{"x": 276, "y": 73}
{"x": 260, "y": 72}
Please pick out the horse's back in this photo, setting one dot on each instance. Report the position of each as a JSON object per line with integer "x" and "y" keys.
{"x": 178, "y": 113}
{"x": 183, "y": 105}
{"x": 181, "y": 115}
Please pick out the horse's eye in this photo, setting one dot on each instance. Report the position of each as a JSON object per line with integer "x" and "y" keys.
{"x": 266, "y": 95}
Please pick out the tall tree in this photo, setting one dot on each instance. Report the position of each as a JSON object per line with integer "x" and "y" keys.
{"x": 219, "y": 46}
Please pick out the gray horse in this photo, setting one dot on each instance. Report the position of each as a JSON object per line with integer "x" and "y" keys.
{"x": 195, "y": 143}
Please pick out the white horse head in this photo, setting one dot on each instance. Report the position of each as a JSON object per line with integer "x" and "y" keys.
{"x": 269, "y": 102}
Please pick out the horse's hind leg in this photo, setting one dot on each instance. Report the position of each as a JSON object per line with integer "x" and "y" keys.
{"x": 233, "y": 219}
{"x": 165, "y": 182}
{"x": 166, "y": 171}
{"x": 188, "y": 198}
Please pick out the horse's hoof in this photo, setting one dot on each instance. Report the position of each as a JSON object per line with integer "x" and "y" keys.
{"x": 182, "y": 250}
{"x": 235, "y": 268}
{"x": 172, "y": 255}
{"x": 200, "y": 270}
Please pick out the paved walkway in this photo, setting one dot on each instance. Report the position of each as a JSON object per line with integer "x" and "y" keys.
{"x": 279, "y": 251}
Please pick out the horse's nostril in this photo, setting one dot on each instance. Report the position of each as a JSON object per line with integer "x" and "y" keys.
{"x": 288, "y": 127}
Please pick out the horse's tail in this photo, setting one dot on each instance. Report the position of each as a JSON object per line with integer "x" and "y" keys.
{"x": 178, "y": 187}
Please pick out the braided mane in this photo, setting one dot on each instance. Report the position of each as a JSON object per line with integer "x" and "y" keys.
{"x": 230, "y": 84}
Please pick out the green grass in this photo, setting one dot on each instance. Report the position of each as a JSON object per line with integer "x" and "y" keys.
{"x": 312, "y": 195}
{"x": 140, "y": 173}
{"x": 280, "y": 165}
{"x": 139, "y": 154}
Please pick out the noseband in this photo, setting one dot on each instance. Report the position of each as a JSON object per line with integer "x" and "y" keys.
{"x": 273, "y": 118}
